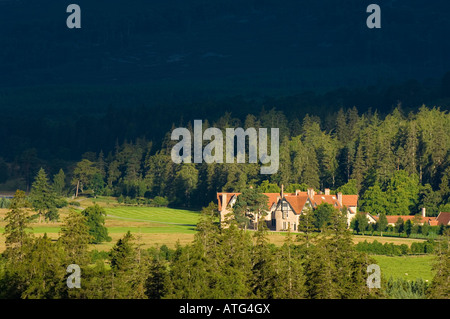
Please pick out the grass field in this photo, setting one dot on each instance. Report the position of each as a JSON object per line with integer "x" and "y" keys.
{"x": 406, "y": 267}
{"x": 157, "y": 219}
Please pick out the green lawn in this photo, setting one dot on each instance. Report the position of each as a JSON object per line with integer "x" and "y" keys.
{"x": 406, "y": 267}
{"x": 40, "y": 230}
{"x": 161, "y": 219}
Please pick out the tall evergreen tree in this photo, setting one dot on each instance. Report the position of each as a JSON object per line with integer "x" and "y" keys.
{"x": 42, "y": 195}
{"x": 382, "y": 223}
{"x": 17, "y": 230}
{"x": 264, "y": 281}
{"x": 128, "y": 271}
{"x": 289, "y": 276}
{"x": 440, "y": 286}
{"x": 75, "y": 238}
{"x": 59, "y": 183}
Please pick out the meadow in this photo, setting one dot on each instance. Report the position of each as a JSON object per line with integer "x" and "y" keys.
{"x": 406, "y": 267}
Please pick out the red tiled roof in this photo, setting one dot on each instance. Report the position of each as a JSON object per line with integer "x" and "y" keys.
{"x": 392, "y": 219}
{"x": 349, "y": 200}
{"x": 297, "y": 202}
{"x": 443, "y": 218}
{"x": 433, "y": 222}
{"x": 273, "y": 198}
{"x": 330, "y": 199}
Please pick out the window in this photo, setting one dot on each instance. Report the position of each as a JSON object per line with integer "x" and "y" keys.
{"x": 285, "y": 209}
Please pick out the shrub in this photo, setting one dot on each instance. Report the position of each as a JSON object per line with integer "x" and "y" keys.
{"x": 95, "y": 218}
{"x": 52, "y": 215}
{"x": 159, "y": 201}
{"x": 403, "y": 289}
{"x": 61, "y": 202}
{"x": 5, "y": 202}
{"x": 75, "y": 203}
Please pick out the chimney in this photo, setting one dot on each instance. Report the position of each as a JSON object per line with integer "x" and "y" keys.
{"x": 282, "y": 190}
{"x": 424, "y": 212}
{"x": 297, "y": 191}
{"x": 327, "y": 191}
{"x": 224, "y": 201}
{"x": 339, "y": 198}
{"x": 311, "y": 193}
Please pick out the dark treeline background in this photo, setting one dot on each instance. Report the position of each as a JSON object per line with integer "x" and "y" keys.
{"x": 64, "y": 122}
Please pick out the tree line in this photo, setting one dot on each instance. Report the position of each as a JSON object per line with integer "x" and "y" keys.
{"x": 397, "y": 164}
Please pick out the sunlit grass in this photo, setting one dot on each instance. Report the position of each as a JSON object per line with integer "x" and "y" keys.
{"x": 406, "y": 267}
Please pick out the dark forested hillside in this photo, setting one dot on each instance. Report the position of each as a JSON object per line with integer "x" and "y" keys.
{"x": 402, "y": 158}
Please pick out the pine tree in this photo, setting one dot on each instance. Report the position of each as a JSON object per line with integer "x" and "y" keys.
{"x": 189, "y": 277}
{"x": 17, "y": 230}
{"x": 440, "y": 286}
{"x": 233, "y": 260}
{"x": 310, "y": 174}
{"x": 289, "y": 276}
{"x": 411, "y": 149}
{"x": 45, "y": 271}
{"x": 320, "y": 272}
{"x": 75, "y": 238}
{"x": 382, "y": 223}
{"x": 157, "y": 282}
{"x": 128, "y": 271}
{"x": 186, "y": 182}
{"x": 342, "y": 132}
{"x": 59, "y": 183}
{"x": 359, "y": 168}
{"x": 42, "y": 195}
{"x": 306, "y": 225}
{"x": 264, "y": 279}
{"x": 82, "y": 175}
{"x": 334, "y": 270}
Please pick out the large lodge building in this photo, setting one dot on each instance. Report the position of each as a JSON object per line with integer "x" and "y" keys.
{"x": 284, "y": 209}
